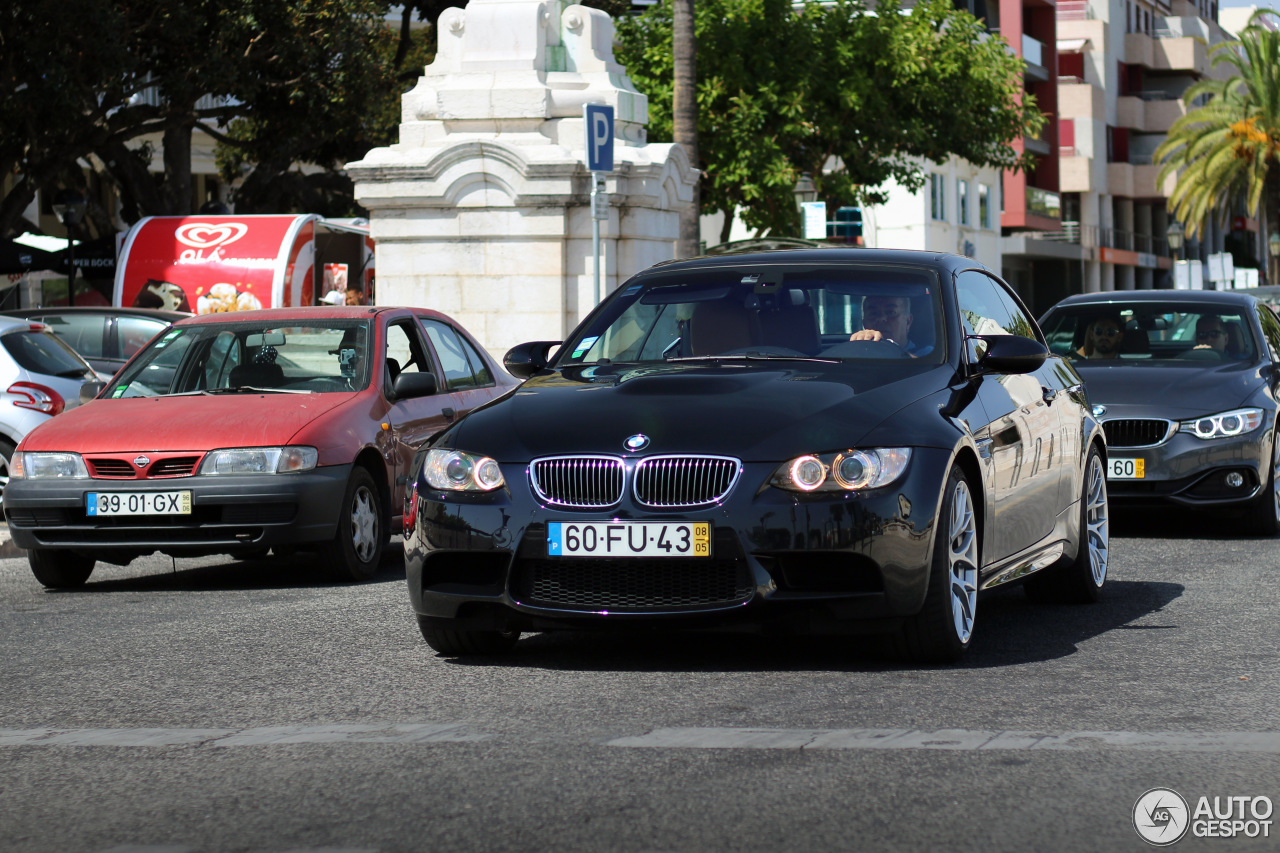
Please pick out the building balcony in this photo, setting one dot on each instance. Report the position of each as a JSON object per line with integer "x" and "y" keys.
{"x": 1033, "y": 54}
{"x": 1188, "y": 53}
{"x": 1075, "y": 172}
{"x": 1139, "y": 49}
{"x": 1120, "y": 180}
{"x": 1131, "y": 112}
{"x": 1081, "y": 100}
{"x": 1161, "y": 113}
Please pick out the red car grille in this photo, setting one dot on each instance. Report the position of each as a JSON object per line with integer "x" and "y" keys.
{"x": 156, "y": 466}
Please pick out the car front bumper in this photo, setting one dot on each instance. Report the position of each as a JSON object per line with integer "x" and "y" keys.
{"x": 227, "y": 513}
{"x": 1190, "y": 471}
{"x": 815, "y": 562}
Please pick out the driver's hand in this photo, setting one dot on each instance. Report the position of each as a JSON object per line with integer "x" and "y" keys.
{"x": 868, "y": 335}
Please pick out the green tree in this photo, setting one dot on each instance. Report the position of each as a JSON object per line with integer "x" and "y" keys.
{"x": 1229, "y": 148}
{"x": 315, "y": 82}
{"x": 783, "y": 92}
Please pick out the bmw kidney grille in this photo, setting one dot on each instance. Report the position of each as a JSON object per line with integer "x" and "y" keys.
{"x": 663, "y": 482}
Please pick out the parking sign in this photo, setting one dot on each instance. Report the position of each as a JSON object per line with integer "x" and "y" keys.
{"x": 599, "y": 121}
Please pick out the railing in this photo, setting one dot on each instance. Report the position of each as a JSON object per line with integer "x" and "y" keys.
{"x": 1140, "y": 159}
{"x": 1044, "y": 202}
{"x": 1032, "y": 50}
{"x": 1074, "y": 10}
{"x": 1156, "y": 96}
{"x": 1093, "y": 237}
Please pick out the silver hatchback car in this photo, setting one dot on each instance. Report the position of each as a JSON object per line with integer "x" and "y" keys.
{"x": 40, "y": 376}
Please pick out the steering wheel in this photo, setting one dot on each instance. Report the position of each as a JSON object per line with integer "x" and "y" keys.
{"x": 866, "y": 349}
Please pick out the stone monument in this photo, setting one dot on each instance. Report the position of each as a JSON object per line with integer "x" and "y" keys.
{"x": 482, "y": 210}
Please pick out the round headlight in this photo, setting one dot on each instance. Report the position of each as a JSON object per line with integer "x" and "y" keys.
{"x": 1232, "y": 425}
{"x": 458, "y": 469}
{"x": 488, "y": 474}
{"x": 1204, "y": 427}
{"x": 857, "y": 469}
{"x": 807, "y": 473}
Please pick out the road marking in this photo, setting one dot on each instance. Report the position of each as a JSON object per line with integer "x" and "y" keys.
{"x": 951, "y": 739}
{"x": 260, "y": 736}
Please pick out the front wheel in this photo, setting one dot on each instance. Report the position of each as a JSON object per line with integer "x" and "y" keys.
{"x": 452, "y": 641}
{"x": 941, "y": 631}
{"x": 59, "y": 569}
{"x": 1080, "y": 580}
{"x": 356, "y": 549}
{"x": 1262, "y": 517}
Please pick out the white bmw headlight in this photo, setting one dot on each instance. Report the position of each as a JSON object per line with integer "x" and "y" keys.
{"x": 41, "y": 465}
{"x": 459, "y": 471}
{"x": 847, "y": 471}
{"x": 258, "y": 460}
{"x": 1224, "y": 424}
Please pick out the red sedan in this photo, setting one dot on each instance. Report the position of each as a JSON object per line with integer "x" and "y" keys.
{"x": 238, "y": 432}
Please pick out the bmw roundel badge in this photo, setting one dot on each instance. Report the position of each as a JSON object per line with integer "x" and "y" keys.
{"x": 639, "y": 441}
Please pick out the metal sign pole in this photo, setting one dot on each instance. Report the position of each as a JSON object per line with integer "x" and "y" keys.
{"x": 596, "y": 181}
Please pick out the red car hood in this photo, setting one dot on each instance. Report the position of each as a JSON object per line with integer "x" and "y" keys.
{"x": 181, "y": 423}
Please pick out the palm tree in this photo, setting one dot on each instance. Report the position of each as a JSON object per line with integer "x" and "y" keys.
{"x": 684, "y": 110}
{"x": 1229, "y": 148}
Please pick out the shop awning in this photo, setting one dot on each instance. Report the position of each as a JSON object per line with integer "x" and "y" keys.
{"x": 1073, "y": 45}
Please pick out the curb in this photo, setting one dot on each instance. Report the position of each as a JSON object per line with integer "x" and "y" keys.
{"x": 8, "y": 549}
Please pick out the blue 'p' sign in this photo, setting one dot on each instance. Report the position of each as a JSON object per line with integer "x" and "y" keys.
{"x": 599, "y": 121}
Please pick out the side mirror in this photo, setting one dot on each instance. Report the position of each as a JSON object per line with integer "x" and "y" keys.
{"x": 90, "y": 390}
{"x": 410, "y": 385}
{"x": 1011, "y": 354}
{"x": 527, "y": 359}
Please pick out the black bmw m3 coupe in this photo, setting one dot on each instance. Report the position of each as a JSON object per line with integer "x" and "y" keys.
{"x": 823, "y": 441}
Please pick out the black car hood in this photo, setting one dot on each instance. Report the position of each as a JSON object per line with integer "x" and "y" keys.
{"x": 755, "y": 413}
{"x": 1169, "y": 390}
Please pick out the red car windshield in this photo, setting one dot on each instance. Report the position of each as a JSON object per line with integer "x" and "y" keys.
{"x": 302, "y": 357}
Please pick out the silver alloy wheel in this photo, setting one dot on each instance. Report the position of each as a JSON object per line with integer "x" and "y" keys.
{"x": 364, "y": 524}
{"x": 1275, "y": 473}
{"x": 1096, "y": 521}
{"x": 962, "y": 561}
{"x": 4, "y": 476}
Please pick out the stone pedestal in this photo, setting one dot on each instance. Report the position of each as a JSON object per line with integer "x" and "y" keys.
{"x": 482, "y": 209}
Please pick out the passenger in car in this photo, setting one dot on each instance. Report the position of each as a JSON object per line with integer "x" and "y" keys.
{"x": 1103, "y": 337}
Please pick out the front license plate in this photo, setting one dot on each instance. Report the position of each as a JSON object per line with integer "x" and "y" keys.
{"x": 1126, "y": 469}
{"x": 138, "y": 503}
{"x": 629, "y": 539}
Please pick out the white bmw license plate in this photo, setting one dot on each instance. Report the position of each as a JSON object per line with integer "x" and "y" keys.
{"x": 138, "y": 503}
{"x": 629, "y": 539}
{"x": 1126, "y": 469}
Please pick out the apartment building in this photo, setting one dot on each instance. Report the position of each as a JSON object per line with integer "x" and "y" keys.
{"x": 1123, "y": 67}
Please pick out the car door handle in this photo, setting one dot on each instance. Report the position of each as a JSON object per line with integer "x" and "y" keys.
{"x": 1049, "y": 394}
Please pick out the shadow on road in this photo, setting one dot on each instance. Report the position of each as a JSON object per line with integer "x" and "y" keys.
{"x": 1010, "y": 631}
{"x": 294, "y": 572}
{"x": 1178, "y": 523}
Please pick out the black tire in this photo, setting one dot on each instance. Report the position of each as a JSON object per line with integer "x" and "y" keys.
{"x": 1262, "y": 516}
{"x": 943, "y": 629}
{"x": 356, "y": 549}
{"x": 1080, "y": 579}
{"x": 6, "y": 458}
{"x": 452, "y": 641}
{"x": 60, "y": 569}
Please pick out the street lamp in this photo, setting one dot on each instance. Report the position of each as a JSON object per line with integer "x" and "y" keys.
{"x": 69, "y": 207}
{"x": 1175, "y": 235}
{"x": 1273, "y": 246}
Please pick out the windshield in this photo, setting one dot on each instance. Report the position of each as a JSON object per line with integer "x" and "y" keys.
{"x": 41, "y": 351}
{"x": 212, "y": 358}
{"x": 758, "y": 312}
{"x": 1142, "y": 333}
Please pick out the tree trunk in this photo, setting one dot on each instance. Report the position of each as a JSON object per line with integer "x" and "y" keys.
{"x": 684, "y": 110}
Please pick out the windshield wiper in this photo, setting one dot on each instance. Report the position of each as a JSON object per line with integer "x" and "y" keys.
{"x": 756, "y": 356}
{"x": 255, "y": 389}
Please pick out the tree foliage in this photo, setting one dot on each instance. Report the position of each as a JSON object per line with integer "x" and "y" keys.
{"x": 292, "y": 91}
{"x": 783, "y": 93}
{"x": 1229, "y": 148}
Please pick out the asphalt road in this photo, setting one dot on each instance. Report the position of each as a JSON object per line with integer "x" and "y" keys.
{"x": 213, "y": 705}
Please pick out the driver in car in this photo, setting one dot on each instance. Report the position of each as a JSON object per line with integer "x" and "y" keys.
{"x": 888, "y": 318}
